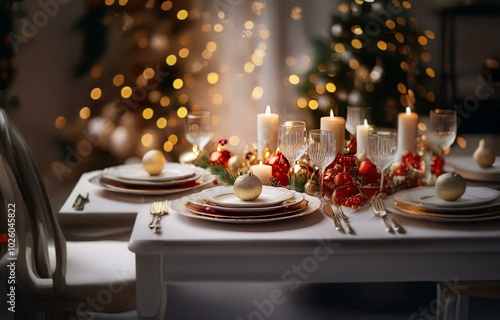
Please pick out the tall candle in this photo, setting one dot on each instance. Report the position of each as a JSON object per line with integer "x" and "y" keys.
{"x": 262, "y": 171}
{"x": 362, "y": 137}
{"x": 267, "y": 131}
{"x": 407, "y": 131}
{"x": 336, "y": 124}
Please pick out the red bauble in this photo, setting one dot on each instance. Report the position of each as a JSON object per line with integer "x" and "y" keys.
{"x": 367, "y": 173}
{"x": 280, "y": 166}
{"x": 221, "y": 155}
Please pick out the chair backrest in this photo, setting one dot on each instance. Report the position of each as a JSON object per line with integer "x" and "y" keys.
{"x": 41, "y": 247}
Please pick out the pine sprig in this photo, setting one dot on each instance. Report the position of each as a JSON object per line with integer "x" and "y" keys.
{"x": 202, "y": 161}
{"x": 223, "y": 174}
{"x": 298, "y": 181}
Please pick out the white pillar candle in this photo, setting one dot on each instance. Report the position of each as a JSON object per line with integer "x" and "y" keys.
{"x": 262, "y": 171}
{"x": 336, "y": 124}
{"x": 362, "y": 137}
{"x": 267, "y": 131}
{"x": 407, "y": 131}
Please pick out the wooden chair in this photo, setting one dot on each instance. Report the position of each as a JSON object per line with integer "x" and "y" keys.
{"x": 60, "y": 278}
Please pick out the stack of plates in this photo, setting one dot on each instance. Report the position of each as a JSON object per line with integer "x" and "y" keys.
{"x": 222, "y": 205}
{"x": 467, "y": 167}
{"x": 133, "y": 179}
{"x": 477, "y": 203}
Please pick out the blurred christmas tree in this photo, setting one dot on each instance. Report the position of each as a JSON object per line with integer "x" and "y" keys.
{"x": 376, "y": 57}
{"x": 135, "y": 102}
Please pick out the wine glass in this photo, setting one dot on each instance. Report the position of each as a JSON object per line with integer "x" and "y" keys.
{"x": 356, "y": 116}
{"x": 382, "y": 147}
{"x": 443, "y": 127}
{"x": 322, "y": 151}
{"x": 198, "y": 129}
{"x": 293, "y": 141}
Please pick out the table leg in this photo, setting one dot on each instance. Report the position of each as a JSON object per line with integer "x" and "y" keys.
{"x": 151, "y": 291}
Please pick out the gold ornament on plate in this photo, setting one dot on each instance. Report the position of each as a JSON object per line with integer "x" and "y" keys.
{"x": 247, "y": 187}
{"x": 153, "y": 162}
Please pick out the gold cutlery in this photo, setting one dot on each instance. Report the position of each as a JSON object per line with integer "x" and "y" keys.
{"x": 80, "y": 202}
{"x": 164, "y": 211}
{"x": 155, "y": 211}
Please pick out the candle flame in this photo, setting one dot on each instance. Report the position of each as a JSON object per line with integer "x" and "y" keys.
{"x": 331, "y": 113}
{"x": 366, "y": 123}
{"x": 408, "y": 110}
{"x": 268, "y": 110}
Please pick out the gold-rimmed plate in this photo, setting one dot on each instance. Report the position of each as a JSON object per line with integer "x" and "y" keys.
{"x": 150, "y": 191}
{"x": 179, "y": 206}
{"x": 469, "y": 169}
{"x": 416, "y": 212}
{"x": 427, "y": 198}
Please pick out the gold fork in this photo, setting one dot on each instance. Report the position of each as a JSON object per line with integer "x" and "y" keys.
{"x": 164, "y": 210}
{"x": 155, "y": 210}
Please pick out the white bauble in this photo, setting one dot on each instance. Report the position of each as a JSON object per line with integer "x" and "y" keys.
{"x": 122, "y": 142}
{"x": 100, "y": 130}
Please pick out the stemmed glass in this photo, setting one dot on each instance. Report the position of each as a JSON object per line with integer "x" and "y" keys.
{"x": 293, "y": 141}
{"x": 443, "y": 127}
{"x": 356, "y": 116}
{"x": 322, "y": 151}
{"x": 382, "y": 147}
{"x": 198, "y": 129}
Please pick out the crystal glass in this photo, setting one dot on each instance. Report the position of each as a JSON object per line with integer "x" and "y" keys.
{"x": 293, "y": 141}
{"x": 356, "y": 116}
{"x": 198, "y": 129}
{"x": 443, "y": 127}
{"x": 322, "y": 151}
{"x": 382, "y": 146}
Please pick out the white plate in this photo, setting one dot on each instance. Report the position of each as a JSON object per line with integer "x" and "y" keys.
{"x": 426, "y": 197}
{"x": 179, "y": 206}
{"x": 198, "y": 199}
{"x": 469, "y": 169}
{"x": 171, "y": 171}
{"x": 148, "y": 192}
{"x": 443, "y": 217}
{"x": 224, "y": 196}
{"x": 198, "y": 172}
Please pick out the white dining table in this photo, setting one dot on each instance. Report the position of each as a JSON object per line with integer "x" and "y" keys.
{"x": 306, "y": 249}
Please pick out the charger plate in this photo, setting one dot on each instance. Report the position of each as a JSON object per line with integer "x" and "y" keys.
{"x": 416, "y": 212}
{"x": 469, "y": 169}
{"x": 427, "y": 198}
{"x": 203, "y": 181}
{"x": 179, "y": 206}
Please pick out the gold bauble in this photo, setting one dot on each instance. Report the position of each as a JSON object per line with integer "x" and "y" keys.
{"x": 247, "y": 187}
{"x": 153, "y": 162}
{"x": 450, "y": 186}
